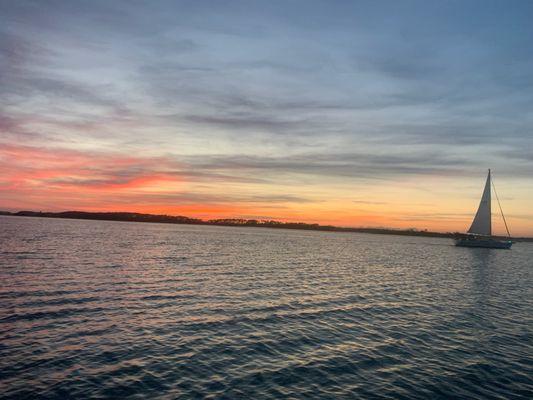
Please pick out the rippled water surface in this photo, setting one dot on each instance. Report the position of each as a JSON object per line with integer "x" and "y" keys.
{"x": 115, "y": 309}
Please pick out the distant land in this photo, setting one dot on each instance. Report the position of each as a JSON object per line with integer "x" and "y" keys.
{"x": 169, "y": 219}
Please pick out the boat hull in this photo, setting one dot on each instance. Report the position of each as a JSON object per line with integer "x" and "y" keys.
{"x": 485, "y": 243}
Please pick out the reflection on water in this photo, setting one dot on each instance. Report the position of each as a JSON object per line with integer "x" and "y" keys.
{"x": 110, "y": 309}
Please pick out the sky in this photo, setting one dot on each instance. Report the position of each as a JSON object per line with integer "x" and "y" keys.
{"x": 352, "y": 113}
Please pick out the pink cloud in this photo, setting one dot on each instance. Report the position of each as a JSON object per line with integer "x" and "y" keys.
{"x": 27, "y": 167}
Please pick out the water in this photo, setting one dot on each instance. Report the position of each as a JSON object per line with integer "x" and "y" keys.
{"x": 115, "y": 309}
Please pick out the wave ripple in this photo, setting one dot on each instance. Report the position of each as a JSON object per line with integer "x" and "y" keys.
{"x": 113, "y": 310}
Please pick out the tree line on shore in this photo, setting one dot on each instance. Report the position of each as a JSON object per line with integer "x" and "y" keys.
{"x": 171, "y": 219}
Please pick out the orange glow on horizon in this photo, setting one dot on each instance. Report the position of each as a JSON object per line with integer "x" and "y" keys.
{"x": 60, "y": 180}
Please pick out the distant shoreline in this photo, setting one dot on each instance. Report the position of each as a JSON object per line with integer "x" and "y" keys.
{"x": 169, "y": 219}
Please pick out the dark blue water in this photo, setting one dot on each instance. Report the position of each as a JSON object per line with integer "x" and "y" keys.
{"x": 113, "y": 310}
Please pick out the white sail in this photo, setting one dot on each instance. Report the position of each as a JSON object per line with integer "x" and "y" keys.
{"x": 482, "y": 221}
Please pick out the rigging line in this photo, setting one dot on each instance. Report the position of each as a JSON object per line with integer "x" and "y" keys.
{"x": 499, "y": 205}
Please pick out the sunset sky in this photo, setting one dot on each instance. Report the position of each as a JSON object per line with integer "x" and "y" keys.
{"x": 353, "y": 113}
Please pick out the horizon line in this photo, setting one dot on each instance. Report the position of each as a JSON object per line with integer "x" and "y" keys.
{"x": 244, "y": 222}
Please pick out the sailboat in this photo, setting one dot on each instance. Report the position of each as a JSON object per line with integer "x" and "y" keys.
{"x": 480, "y": 232}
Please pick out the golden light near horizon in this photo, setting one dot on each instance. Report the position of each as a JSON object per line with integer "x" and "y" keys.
{"x": 75, "y": 180}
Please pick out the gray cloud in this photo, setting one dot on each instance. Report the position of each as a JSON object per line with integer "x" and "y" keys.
{"x": 247, "y": 122}
{"x": 357, "y": 165}
{"x": 379, "y": 96}
{"x": 204, "y": 198}
{"x": 519, "y": 154}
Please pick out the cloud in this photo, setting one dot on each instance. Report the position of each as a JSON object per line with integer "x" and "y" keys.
{"x": 244, "y": 122}
{"x": 518, "y": 154}
{"x": 260, "y": 97}
{"x": 352, "y": 164}
{"x": 370, "y": 202}
{"x": 65, "y": 167}
{"x": 188, "y": 197}
{"x": 58, "y": 179}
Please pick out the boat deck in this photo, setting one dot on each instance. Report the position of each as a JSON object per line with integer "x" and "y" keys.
{"x": 487, "y": 243}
